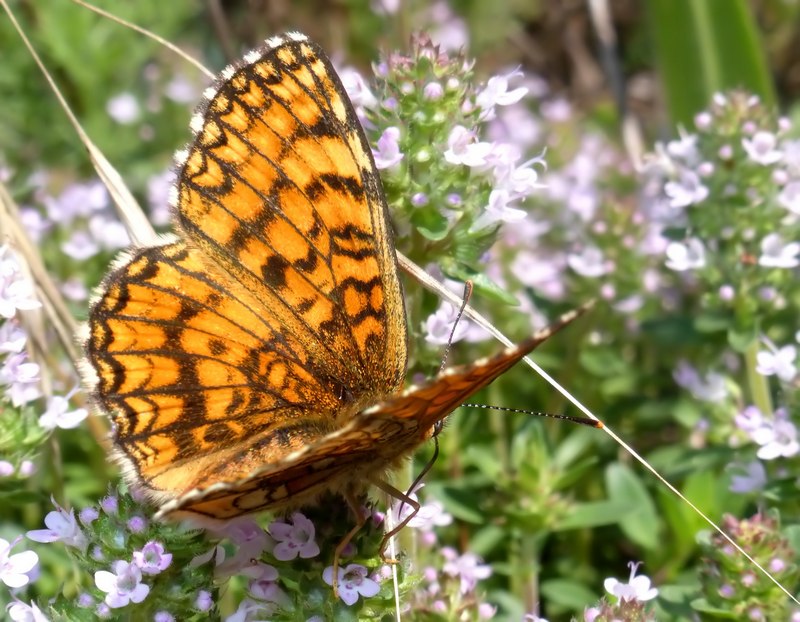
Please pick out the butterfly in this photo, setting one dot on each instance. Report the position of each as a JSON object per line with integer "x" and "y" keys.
{"x": 256, "y": 361}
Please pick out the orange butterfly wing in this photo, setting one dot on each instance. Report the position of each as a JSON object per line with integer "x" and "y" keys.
{"x": 278, "y": 315}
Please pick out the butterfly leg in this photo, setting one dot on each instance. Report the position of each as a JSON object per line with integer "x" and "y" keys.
{"x": 403, "y": 498}
{"x": 361, "y": 519}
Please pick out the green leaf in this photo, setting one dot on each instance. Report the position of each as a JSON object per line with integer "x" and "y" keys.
{"x": 570, "y": 594}
{"x": 603, "y": 362}
{"x": 483, "y": 284}
{"x": 460, "y": 503}
{"x": 595, "y": 513}
{"x": 740, "y": 337}
{"x": 712, "y": 612}
{"x": 708, "y": 322}
{"x": 642, "y": 523}
{"x": 673, "y": 330}
{"x": 431, "y": 224}
{"x": 703, "y": 47}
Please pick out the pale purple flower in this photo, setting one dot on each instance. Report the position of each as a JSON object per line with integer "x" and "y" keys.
{"x": 80, "y": 246}
{"x": 163, "y": 616}
{"x": 684, "y": 149}
{"x": 706, "y": 169}
{"x": 251, "y": 540}
{"x": 791, "y": 155}
{"x": 637, "y": 588}
{"x": 727, "y": 591}
{"x": 6, "y": 468}
{"x": 110, "y": 232}
{"x": 543, "y": 273}
{"x": 789, "y": 197}
{"x": 590, "y": 614}
{"x": 136, "y": 524}
{"x": 357, "y": 88}
{"x": 159, "y": 187}
{"x": 532, "y": 617}
{"x": 264, "y": 586}
{"x": 778, "y": 362}
{"x": 703, "y": 120}
{"x": 88, "y": 515}
{"x": 14, "y": 569}
{"x": 777, "y": 438}
{"x": 123, "y": 585}
{"x": 486, "y": 611}
{"x": 689, "y": 255}
{"x": 352, "y": 582}
{"x": 110, "y": 505}
{"x": 467, "y": 568}
{"x": 727, "y": 292}
{"x": 777, "y": 254}
{"x": 59, "y": 415}
{"x": 762, "y": 148}
{"x": 385, "y": 7}
{"x": 152, "y": 559}
{"x": 556, "y": 110}
{"x": 462, "y": 148}
{"x": 62, "y": 526}
{"x": 293, "y": 539}
{"x": 449, "y": 31}
{"x": 20, "y": 612}
{"x": 520, "y": 180}
{"x": 589, "y": 262}
{"x": 686, "y": 190}
{"x": 431, "y": 514}
{"x": 74, "y": 289}
{"x": 780, "y": 177}
{"x": 496, "y": 93}
{"x": 388, "y": 153}
{"x": 746, "y": 478}
{"x": 181, "y": 90}
{"x": 419, "y": 199}
{"x": 203, "y": 602}
{"x": 750, "y": 419}
{"x": 503, "y": 158}
{"x": 16, "y": 291}
{"x": 709, "y": 388}
{"x": 498, "y": 210}
{"x": 80, "y": 199}
{"x": 12, "y": 337}
{"x": 433, "y": 91}
{"x": 97, "y": 553}
{"x": 22, "y": 379}
{"x": 250, "y": 610}
{"x": 516, "y": 124}
{"x": 123, "y": 108}
{"x": 439, "y": 325}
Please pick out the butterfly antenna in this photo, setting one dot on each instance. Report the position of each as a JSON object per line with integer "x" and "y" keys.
{"x": 468, "y": 287}
{"x": 592, "y": 423}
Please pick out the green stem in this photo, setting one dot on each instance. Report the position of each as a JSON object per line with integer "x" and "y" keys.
{"x": 530, "y": 562}
{"x": 759, "y": 385}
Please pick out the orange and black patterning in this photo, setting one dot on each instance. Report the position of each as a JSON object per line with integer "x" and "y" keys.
{"x": 257, "y": 362}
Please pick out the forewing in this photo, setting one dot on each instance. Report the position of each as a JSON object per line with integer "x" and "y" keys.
{"x": 279, "y": 188}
